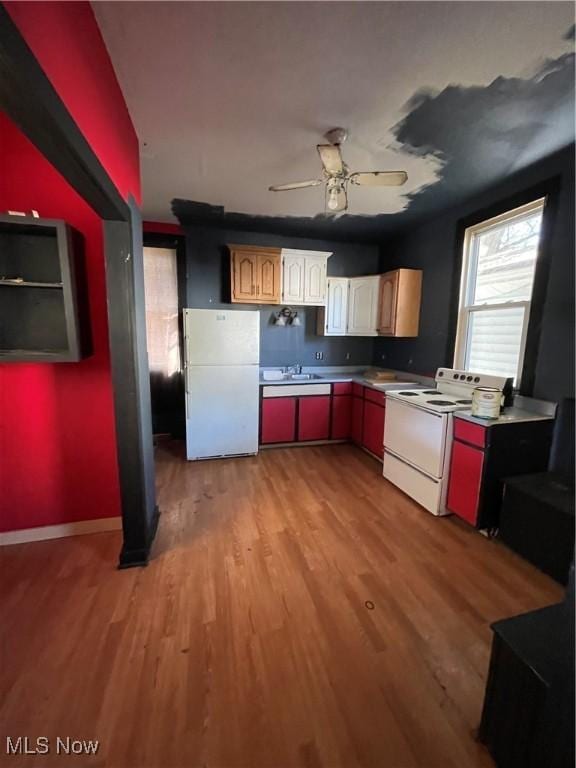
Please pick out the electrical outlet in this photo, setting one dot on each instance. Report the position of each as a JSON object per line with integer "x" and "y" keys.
{"x": 319, "y": 355}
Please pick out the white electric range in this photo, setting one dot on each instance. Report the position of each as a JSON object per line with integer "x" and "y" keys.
{"x": 418, "y": 433}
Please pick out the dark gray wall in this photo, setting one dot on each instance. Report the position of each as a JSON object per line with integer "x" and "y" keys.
{"x": 208, "y": 286}
{"x": 131, "y": 379}
{"x": 435, "y": 248}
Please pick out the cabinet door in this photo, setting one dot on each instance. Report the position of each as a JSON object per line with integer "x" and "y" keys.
{"x": 408, "y": 303}
{"x": 278, "y": 420}
{"x": 363, "y": 306}
{"x": 314, "y": 418}
{"x": 293, "y": 279}
{"x": 342, "y": 388}
{"x": 373, "y": 429}
{"x": 357, "y": 425}
{"x": 388, "y": 296}
{"x": 269, "y": 278}
{"x": 465, "y": 480}
{"x": 341, "y": 417}
{"x": 315, "y": 280}
{"x": 244, "y": 276}
{"x": 336, "y": 314}
{"x": 400, "y": 295}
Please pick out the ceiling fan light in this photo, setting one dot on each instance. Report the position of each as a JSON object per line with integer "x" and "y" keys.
{"x": 333, "y": 202}
{"x": 336, "y": 200}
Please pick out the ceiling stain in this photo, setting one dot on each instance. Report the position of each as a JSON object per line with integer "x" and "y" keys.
{"x": 477, "y": 135}
{"x": 343, "y": 228}
{"x": 483, "y": 133}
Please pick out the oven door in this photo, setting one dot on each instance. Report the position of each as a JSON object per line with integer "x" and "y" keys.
{"x": 416, "y": 436}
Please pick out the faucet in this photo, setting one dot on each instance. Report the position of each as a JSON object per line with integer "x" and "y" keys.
{"x": 293, "y": 369}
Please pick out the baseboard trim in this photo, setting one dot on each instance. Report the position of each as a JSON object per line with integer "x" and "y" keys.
{"x": 138, "y": 558}
{"x": 60, "y": 531}
{"x": 374, "y": 456}
{"x": 302, "y": 444}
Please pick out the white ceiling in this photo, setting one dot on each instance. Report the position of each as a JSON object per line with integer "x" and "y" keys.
{"x": 228, "y": 98}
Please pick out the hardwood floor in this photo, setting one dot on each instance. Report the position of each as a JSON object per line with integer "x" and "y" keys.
{"x": 299, "y": 611}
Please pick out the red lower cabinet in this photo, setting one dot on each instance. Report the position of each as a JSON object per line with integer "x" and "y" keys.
{"x": 278, "y": 420}
{"x": 357, "y": 425}
{"x": 341, "y": 417}
{"x": 373, "y": 429}
{"x": 314, "y": 418}
{"x": 465, "y": 480}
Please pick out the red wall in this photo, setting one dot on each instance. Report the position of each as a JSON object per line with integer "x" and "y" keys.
{"x": 57, "y": 437}
{"x": 162, "y": 228}
{"x": 67, "y": 42}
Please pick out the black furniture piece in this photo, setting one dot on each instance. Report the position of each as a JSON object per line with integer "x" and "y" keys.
{"x": 537, "y": 515}
{"x": 528, "y": 714}
{"x": 43, "y": 295}
{"x": 483, "y": 456}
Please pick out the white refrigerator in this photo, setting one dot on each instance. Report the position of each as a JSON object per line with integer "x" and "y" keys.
{"x": 222, "y": 357}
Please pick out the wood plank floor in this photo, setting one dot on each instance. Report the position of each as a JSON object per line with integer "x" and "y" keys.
{"x": 299, "y": 611}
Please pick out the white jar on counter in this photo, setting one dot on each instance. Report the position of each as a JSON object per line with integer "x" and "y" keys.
{"x": 487, "y": 402}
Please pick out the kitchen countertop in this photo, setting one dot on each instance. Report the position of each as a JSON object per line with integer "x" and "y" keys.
{"x": 334, "y": 376}
{"x": 525, "y": 409}
{"x": 510, "y": 415}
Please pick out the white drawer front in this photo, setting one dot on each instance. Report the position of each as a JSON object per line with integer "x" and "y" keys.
{"x": 296, "y": 390}
{"x": 421, "y": 488}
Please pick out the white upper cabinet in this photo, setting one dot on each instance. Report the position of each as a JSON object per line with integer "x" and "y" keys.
{"x": 304, "y": 276}
{"x": 315, "y": 280}
{"x": 333, "y": 319}
{"x": 293, "y": 279}
{"x": 363, "y": 298}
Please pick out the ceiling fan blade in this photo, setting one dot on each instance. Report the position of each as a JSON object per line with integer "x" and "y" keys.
{"x": 380, "y": 178}
{"x": 331, "y": 158}
{"x": 295, "y": 185}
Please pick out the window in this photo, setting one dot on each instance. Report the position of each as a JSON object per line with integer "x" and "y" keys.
{"x": 496, "y": 290}
{"x": 161, "y": 298}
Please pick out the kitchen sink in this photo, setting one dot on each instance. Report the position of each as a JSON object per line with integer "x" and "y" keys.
{"x": 275, "y": 375}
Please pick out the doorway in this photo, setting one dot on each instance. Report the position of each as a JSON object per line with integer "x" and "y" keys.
{"x": 164, "y": 340}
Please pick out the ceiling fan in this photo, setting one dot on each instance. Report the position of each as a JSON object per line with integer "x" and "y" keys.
{"x": 336, "y": 174}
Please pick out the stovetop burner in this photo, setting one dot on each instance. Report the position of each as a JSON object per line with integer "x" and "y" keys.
{"x": 431, "y": 392}
{"x": 464, "y": 402}
{"x": 409, "y": 394}
{"x": 440, "y": 402}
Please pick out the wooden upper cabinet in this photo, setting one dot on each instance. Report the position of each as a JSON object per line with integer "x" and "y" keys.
{"x": 388, "y": 290}
{"x": 400, "y": 295}
{"x": 255, "y": 274}
{"x": 269, "y": 278}
{"x": 244, "y": 276}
